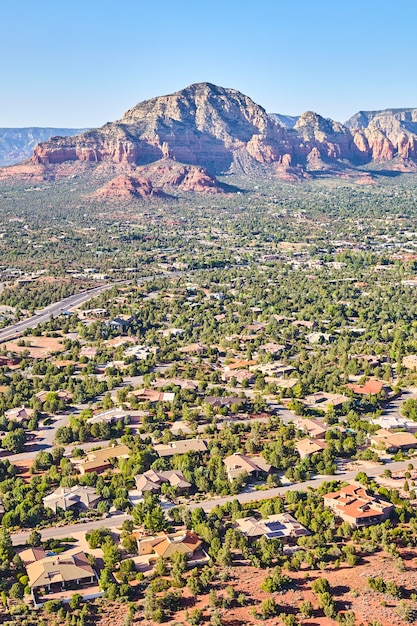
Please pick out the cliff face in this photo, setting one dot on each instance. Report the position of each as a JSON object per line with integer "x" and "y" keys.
{"x": 201, "y": 125}
{"x": 222, "y": 130}
{"x": 388, "y": 134}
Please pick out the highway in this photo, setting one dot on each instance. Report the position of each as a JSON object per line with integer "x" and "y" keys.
{"x": 52, "y": 310}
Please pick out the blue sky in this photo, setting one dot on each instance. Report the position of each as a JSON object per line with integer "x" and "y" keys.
{"x": 75, "y": 63}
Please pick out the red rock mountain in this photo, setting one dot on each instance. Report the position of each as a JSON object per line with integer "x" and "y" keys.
{"x": 216, "y": 130}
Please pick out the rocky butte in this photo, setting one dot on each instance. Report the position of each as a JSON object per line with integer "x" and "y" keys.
{"x": 188, "y": 138}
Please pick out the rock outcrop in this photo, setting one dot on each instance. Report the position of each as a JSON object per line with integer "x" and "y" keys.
{"x": 386, "y": 134}
{"x": 128, "y": 188}
{"x": 158, "y": 180}
{"x": 218, "y": 130}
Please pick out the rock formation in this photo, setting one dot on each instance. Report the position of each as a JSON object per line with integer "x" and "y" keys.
{"x": 218, "y": 130}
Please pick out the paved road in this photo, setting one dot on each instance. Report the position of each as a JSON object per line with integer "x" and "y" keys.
{"x": 392, "y": 409}
{"x": 253, "y": 495}
{"x": 208, "y": 505}
{"x": 52, "y": 310}
{"x": 68, "y": 530}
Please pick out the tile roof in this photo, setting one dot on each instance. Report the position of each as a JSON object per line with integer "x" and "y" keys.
{"x": 59, "y": 569}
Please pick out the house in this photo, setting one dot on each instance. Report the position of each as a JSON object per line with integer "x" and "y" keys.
{"x": 322, "y": 400}
{"x": 283, "y": 383}
{"x": 140, "y": 353}
{"x": 111, "y": 416}
{"x": 62, "y": 394}
{"x": 313, "y": 428}
{"x": 238, "y": 464}
{"x": 355, "y": 505}
{"x": 182, "y": 446}
{"x": 122, "y": 322}
{"x": 194, "y": 348}
{"x": 392, "y": 442}
{"x": 256, "y": 327}
{"x": 172, "y": 332}
{"x": 65, "y": 498}
{"x": 239, "y": 375}
{"x": 307, "y": 447}
{"x": 218, "y": 402}
{"x": 19, "y": 414}
{"x": 99, "y": 460}
{"x": 164, "y": 545}
{"x": 304, "y": 323}
{"x": 395, "y": 422}
{"x": 88, "y": 351}
{"x": 276, "y": 369}
{"x": 371, "y": 388}
{"x": 281, "y": 526}
{"x": 151, "y": 395}
{"x": 272, "y": 348}
{"x": 61, "y": 573}
{"x": 177, "y": 382}
{"x": 410, "y": 362}
{"x": 153, "y": 480}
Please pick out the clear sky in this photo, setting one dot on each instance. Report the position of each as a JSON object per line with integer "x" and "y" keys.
{"x": 81, "y": 63}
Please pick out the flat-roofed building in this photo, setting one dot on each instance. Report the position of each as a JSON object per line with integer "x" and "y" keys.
{"x": 180, "y": 447}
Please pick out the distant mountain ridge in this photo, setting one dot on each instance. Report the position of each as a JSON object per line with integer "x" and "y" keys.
{"x": 17, "y": 144}
{"x": 218, "y": 131}
{"x": 288, "y": 121}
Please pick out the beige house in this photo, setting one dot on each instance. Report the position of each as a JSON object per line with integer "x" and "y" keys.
{"x": 19, "y": 414}
{"x": 355, "y": 505}
{"x": 322, "y": 400}
{"x": 164, "y": 545}
{"x": 307, "y": 447}
{"x": 100, "y": 460}
{"x": 392, "y": 442}
{"x": 108, "y": 417}
{"x": 66, "y": 498}
{"x": 153, "y": 481}
{"x": 180, "y": 447}
{"x": 238, "y": 464}
{"x": 280, "y": 526}
{"x": 313, "y": 428}
{"x": 53, "y": 576}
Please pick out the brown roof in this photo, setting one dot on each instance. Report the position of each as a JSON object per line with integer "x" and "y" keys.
{"x": 178, "y": 542}
{"x": 100, "y": 459}
{"x": 395, "y": 440}
{"x": 308, "y": 446}
{"x": 238, "y": 463}
{"x": 30, "y": 555}
{"x": 371, "y": 387}
{"x": 235, "y": 365}
{"x": 355, "y": 502}
{"x": 59, "y": 569}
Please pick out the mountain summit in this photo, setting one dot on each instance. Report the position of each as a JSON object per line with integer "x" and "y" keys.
{"x": 221, "y": 130}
